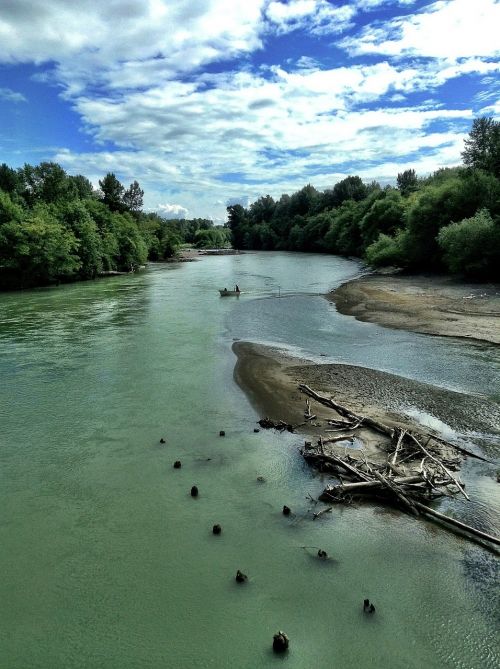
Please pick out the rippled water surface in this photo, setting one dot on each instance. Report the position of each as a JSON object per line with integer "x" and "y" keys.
{"x": 106, "y": 560}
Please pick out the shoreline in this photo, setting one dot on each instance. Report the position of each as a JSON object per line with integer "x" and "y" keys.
{"x": 270, "y": 377}
{"x": 434, "y": 305}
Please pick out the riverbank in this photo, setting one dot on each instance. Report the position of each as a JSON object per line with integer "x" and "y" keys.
{"x": 426, "y": 304}
{"x": 191, "y": 254}
{"x": 270, "y": 378}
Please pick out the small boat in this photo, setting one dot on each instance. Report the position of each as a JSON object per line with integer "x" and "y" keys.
{"x": 226, "y": 293}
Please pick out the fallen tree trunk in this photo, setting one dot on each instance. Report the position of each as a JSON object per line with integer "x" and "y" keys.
{"x": 398, "y": 446}
{"x": 366, "y": 485}
{"x": 339, "y": 462}
{"x": 390, "y": 485}
{"x": 460, "y": 449}
{"x": 347, "y": 413}
{"x": 457, "y": 523}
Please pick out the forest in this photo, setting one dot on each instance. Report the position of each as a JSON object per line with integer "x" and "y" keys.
{"x": 55, "y": 227}
{"x": 446, "y": 222}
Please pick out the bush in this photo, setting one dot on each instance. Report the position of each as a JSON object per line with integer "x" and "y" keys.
{"x": 472, "y": 246}
{"x": 385, "y": 251}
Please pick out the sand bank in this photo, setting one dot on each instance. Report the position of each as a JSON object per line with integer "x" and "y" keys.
{"x": 270, "y": 379}
{"x": 426, "y": 304}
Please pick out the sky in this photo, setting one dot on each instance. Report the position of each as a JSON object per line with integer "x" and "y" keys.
{"x": 214, "y": 102}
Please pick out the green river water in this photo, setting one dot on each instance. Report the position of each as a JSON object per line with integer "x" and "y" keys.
{"x": 105, "y": 559}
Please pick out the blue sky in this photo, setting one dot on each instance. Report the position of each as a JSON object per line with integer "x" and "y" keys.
{"x": 206, "y": 102}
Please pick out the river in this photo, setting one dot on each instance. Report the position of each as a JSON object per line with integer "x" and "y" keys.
{"x": 107, "y": 561}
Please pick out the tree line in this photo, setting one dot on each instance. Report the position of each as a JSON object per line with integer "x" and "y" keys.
{"x": 448, "y": 221}
{"x": 56, "y": 227}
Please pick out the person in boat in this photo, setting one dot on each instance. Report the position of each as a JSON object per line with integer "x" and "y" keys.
{"x": 237, "y": 288}
{"x": 225, "y": 290}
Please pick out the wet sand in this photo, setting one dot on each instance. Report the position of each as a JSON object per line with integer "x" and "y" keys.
{"x": 270, "y": 379}
{"x": 426, "y": 304}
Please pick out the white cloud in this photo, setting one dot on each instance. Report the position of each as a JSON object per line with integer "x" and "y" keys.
{"x": 172, "y": 211}
{"x": 318, "y": 16}
{"x": 448, "y": 29}
{"x": 133, "y": 72}
{"x": 11, "y": 96}
{"x": 101, "y": 42}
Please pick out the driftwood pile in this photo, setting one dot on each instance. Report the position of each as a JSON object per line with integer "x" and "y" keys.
{"x": 417, "y": 470}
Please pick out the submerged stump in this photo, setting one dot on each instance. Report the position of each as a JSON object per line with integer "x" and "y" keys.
{"x": 280, "y": 642}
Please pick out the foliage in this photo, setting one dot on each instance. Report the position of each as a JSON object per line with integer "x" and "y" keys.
{"x": 385, "y": 215}
{"x": 133, "y": 197}
{"x": 385, "y": 251}
{"x": 387, "y": 225}
{"x": 112, "y": 192}
{"x": 472, "y": 246}
{"x": 38, "y": 250}
{"x": 213, "y": 238}
{"x": 53, "y": 228}
{"x": 482, "y": 147}
{"x": 407, "y": 182}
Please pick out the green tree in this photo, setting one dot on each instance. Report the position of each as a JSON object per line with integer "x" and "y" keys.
{"x": 76, "y": 217}
{"x": 213, "y": 238}
{"x": 385, "y": 215}
{"x": 46, "y": 182}
{"x": 112, "y": 192}
{"x": 472, "y": 246}
{"x": 82, "y": 187}
{"x": 133, "y": 197}
{"x": 344, "y": 235}
{"x": 132, "y": 249}
{"x": 385, "y": 250}
{"x": 39, "y": 250}
{"x": 238, "y": 224}
{"x": 350, "y": 188}
{"x": 262, "y": 210}
{"x": 9, "y": 180}
{"x": 303, "y": 202}
{"x": 438, "y": 205}
{"x": 482, "y": 146}
{"x": 9, "y": 211}
{"x": 407, "y": 182}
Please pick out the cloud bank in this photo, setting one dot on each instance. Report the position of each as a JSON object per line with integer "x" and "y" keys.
{"x": 190, "y": 98}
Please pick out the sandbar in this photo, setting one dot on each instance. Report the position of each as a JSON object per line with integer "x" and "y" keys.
{"x": 435, "y": 305}
{"x": 270, "y": 378}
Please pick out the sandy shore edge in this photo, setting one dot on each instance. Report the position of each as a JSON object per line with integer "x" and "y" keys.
{"x": 427, "y": 304}
{"x": 270, "y": 378}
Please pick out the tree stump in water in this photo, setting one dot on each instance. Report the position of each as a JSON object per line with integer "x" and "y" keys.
{"x": 280, "y": 642}
{"x": 367, "y": 607}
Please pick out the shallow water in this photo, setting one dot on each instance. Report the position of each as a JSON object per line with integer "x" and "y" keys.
{"x": 107, "y": 561}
